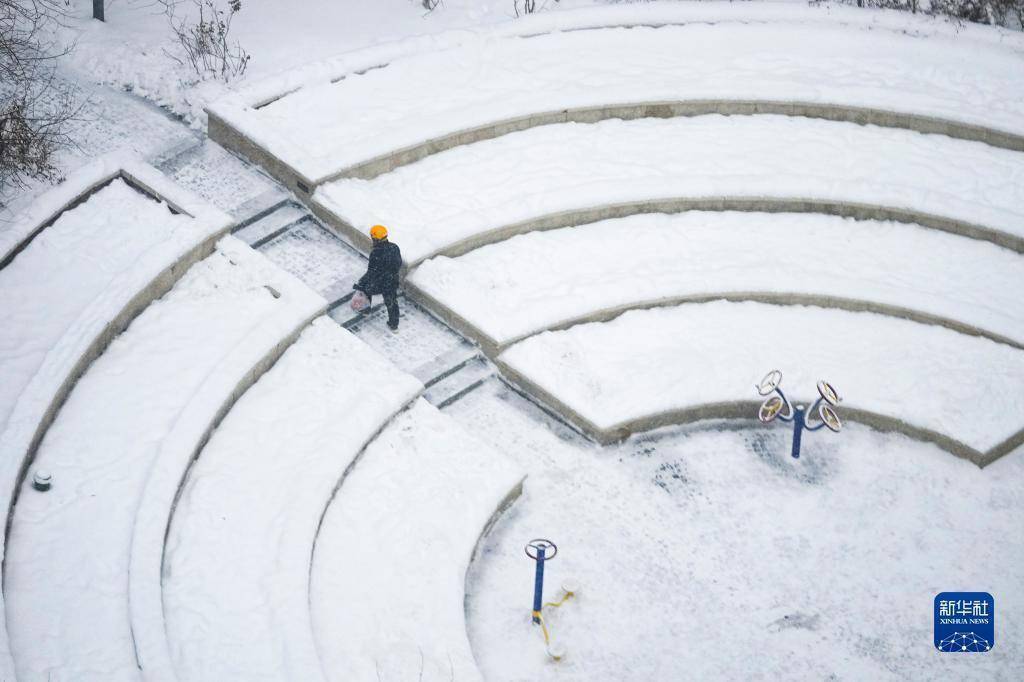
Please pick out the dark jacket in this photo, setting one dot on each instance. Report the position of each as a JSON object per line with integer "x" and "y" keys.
{"x": 382, "y": 274}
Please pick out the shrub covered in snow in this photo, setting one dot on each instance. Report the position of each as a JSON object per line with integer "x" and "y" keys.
{"x": 1007, "y": 13}
{"x": 204, "y": 36}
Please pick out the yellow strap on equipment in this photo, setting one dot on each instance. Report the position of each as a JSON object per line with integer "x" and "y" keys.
{"x": 556, "y": 604}
{"x": 543, "y": 627}
{"x": 540, "y": 617}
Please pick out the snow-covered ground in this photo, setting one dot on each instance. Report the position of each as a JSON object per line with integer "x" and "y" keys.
{"x": 538, "y": 280}
{"x": 329, "y": 126}
{"x": 73, "y": 283}
{"x": 420, "y": 497}
{"x": 434, "y": 203}
{"x": 238, "y": 552}
{"x": 708, "y": 553}
{"x": 135, "y": 48}
{"x": 66, "y": 564}
{"x": 650, "y": 361}
{"x": 94, "y": 253}
{"x": 703, "y": 552}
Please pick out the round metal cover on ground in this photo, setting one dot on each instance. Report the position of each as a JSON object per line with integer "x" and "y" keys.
{"x": 831, "y": 419}
{"x": 41, "y": 480}
{"x": 829, "y": 393}
{"x": 540, "y": 543}
{"x": 770, "y": 409}
{"x": 770, "y": 382}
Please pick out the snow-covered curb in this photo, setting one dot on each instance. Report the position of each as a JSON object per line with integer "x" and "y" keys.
{"x": 194, "y": 427}
{"x": 556, "y": 175}
{"x": 404, "y": 528}
{"x": 597, "y": 271}
{"x": 242, "y": 535}
{"x": 81, "y": 183}
{"x": 648, "y": 369}
{"x": 237, "y": 122}
{"x": 104, "y": 318}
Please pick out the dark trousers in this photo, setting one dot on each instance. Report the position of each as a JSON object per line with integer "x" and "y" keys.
{"x": 391, "y": 303}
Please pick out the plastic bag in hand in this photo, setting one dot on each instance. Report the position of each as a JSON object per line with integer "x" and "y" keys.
{"x": 360, "y": 301}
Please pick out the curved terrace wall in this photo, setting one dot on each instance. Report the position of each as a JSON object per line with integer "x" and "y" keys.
{"x": 553, "y": 175}
{"x": 752, "y": 204}
{"x": 237, "y": 121}
{"x": 745, "y": 409}
{"x": 163, "y": 488}
{"x": 459, "y": 490}
{"x": 245, "y": 582}
{"x": 901, "y": 377}
{"x": 595, "y": 271}
{"x": 40, "y": 402}
{"x": 493, "y": 348}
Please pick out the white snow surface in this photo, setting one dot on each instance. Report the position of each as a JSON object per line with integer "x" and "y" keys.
{"x": 98, "y": 254}
{"x": 332, "y": 126}
{"x": 538, "y": 280}
{"x": 93, "y": 260}
{"x": 389, "y": 569}
{"x": 708, "y": 553}
{"x": 489, "y": 73}
{"x": 238, "y": 554}
{"x": 466, "y": 191}
{"x": 67, "y": 561}
{"x": 649, "y": 361}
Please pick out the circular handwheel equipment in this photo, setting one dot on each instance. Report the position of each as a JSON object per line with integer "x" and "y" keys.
{"x": 539, "y": 544}
{"x": 830, "y": 418}
{"x": 770, "y": 382}
{"x": 828, "y": 393}
{"x": 771, "y": 408}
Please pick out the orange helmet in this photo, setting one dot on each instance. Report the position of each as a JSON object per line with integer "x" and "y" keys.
{"x": 379, "y": 232}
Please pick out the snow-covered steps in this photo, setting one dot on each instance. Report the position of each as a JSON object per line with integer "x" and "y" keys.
{"x": 503, "y": 292}
{"x": 370, "y": 111}
{"x": 560, "y": 175}
{"x": 457, "y": 384}
{"x": 316, "y": 256}
{"x": 420, "y": 341}
{"x": 268, "y": 223}
{"x": 389, "y": 567}
{"x": 82, "y": 261}
{"x": 648, "y": 368}
{"x": 236, "y": 581}
{"x": 118, "y": 451}
{"x": 227, "y": 182}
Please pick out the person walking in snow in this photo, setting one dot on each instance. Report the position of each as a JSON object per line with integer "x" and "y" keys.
{"x": 382, "y": 274}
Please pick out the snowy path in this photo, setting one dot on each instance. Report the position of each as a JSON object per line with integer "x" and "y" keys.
{"x": 220, "y": 177}
{"x": 392, "y": 99}
{"x": 238, "y": 553}
{"x": 650, "y": 362}
{"x": 548, "y": 279}
{"x": 388, "y": 577}
{"x": 159, "y": 384}
{"x": 458, "y": 197}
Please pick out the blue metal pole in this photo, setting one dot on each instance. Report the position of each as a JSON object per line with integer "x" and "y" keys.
{"x": 538, "y": 584}
{"x": 798, "y": 429}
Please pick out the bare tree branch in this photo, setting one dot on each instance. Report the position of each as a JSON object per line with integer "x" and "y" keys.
{"x": 205, "y": 40}
{"x": 35, "y": 107}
